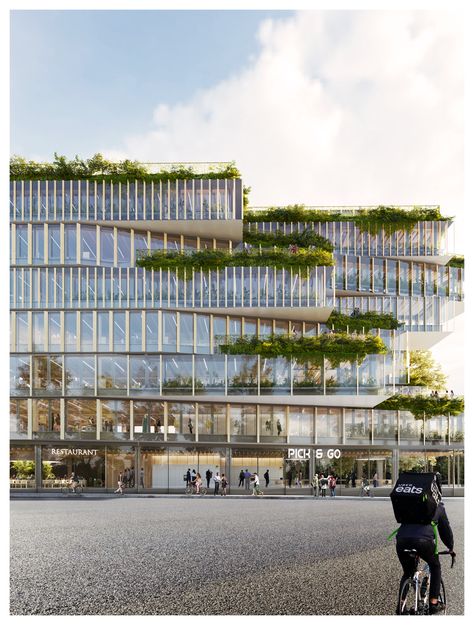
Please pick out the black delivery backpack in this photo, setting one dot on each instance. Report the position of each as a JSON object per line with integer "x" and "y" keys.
{"x": 415, "y": 497}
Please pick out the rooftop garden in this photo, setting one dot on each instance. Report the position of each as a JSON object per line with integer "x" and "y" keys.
{"x": 357, "y": 321}
{"x": 306, "y": 239}
{"x": 391, "y": 218}
{"x": 421, "y": 406}
{"x": 335, "y": 347}
{"x": 210, "y": 260}
{"x": 99, "y": 168}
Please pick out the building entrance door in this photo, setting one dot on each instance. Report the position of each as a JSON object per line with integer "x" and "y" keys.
{"x": 297, "y": 474}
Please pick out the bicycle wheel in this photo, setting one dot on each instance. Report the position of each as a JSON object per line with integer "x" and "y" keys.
{"x": 79, "y": 490}
{"x": 65, "y": 490}
{"x": 407, "y": 600}
{"x": 203, "y": 491}
{"x": 188, "y": 490}
{"x": 442, "y": 597}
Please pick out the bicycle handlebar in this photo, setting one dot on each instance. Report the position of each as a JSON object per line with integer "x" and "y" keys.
{"x": 451, "y": 553}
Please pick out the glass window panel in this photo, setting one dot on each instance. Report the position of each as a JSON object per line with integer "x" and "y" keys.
{"x": 202, "y": 334}
{"x": 119, "y": 332}
{"x": 181, "y": 421}
{"x": 107, "y": 246}
{"x": 273, "y": 422}
{"x": 157, "y": 241}
{"x": 301, "y": 423}
{"x": 274, "y": 376}
{"x": 115, "y": 419}
{"x": 177, "y": 374}
{"x": 70, "y": 331}
{"x": 148, "y": 420}
{"x": 209, "y": 373}
{"x": 173, "y": 243}
{"x": 38, "y": 244}
{"x": 22, "y": 332}
{"x": 212, "y": 421}
{"x": 170, "y": 325}
{"x": 243, "y": 421}
{"x": 87, "y": 331}
{"x": 112, "y": 374}
{"x": 19, "y": 418}
{"x": 151, "y": 331}
{"x": 20, "y": 383}
{"x": 385, "y": 426}
{"x": 81, "y": 418}
{"x": 88, "y": 245}
{"x": 70, "y": 252}
{"x": 135, "y": 331}
{"x": 242, "y": 375}
{"x": 21, "y": 244}
{"x": 145, "y": 374}
{"x": 140, "y": 242}
{"x": 54, "y": 322}
{"x": 219, "y": 331}
{"x": 357, "y": 425}
{"x": 329, "y": 425}
{"x": 80, "y": 375}
{"x": 54, "y": 244}
{"x": 186, "y": 333}
{"x": 123, "y": 248}
{"x": 46, "y": 418}
{"x": 103, "y": 331}
{"x": 38, "y": 331}
{"x": 47, "y": 374}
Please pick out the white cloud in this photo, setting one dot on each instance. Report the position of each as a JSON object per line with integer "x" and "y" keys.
{"x": 338, "y": 107}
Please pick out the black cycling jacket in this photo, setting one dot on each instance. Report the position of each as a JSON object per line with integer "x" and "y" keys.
{"x": 418, "y": 531}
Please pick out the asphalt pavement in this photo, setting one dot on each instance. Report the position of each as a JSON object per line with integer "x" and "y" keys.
{"x": 211, "y": 556}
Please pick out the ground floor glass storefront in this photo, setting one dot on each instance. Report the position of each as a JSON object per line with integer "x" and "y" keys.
{"x": 161, "y": 468}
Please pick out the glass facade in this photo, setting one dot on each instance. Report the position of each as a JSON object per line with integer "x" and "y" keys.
{"x": 116, "y": 368}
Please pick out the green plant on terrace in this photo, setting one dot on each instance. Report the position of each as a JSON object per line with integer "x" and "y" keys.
{"x": 457, "y": 261}
{"x": 210, "y": 260}
{"x": 305, "y": 239}
{"x": 99, "y": 168}
{"x": 363, "y": 321}
{"x": 336, "y": 348}
{"x": 371, "y": 220}
{"x": 420, "y": 405}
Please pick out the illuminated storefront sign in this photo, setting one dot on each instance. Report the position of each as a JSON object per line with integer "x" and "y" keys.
{"x": 73, "y": 452}
{"x": 305, "y": 454}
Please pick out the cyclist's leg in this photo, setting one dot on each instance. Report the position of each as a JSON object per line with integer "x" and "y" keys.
{"x": 407, "y": 561}
{"x": 426, "y": 549}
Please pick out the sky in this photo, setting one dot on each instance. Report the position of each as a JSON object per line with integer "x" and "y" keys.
{"x": 315, "y": 107}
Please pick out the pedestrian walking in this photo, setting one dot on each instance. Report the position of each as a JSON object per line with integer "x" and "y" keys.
{"x": 332, "y": 485}
{"x": 142, "y": 478}
{"x": 224, "y": 484}
{"x": 353, "y": 479}
{"x": 120, "y": 484}
{"x": 241, "y": 478}
{"x": 256, "y": 486}
{"x": 208, "y": 477}
{"x": 188, "y": 476}
{"x": 266, "y": 476}
{"x": 279, "y": 428}
{"x": 132, "y": 477}
{"x": 323, "y": 483}
{"x": 289, "y": 477}
{"x": 315, "y": 484}
{"x": 375, "y": 480}
{"x": 190, "y": 426}
{"x": 217, "y": 483}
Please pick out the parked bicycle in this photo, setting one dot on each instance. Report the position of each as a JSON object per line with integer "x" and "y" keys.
{"x": 413, "y": 598}
{"x": 191, "y": 490}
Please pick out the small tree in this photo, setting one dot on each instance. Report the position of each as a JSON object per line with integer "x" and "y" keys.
{"x": 425, "y": 371}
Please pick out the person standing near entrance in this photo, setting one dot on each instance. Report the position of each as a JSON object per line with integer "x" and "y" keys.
{"x": 217, "y": 483}
{"x": 323, "y": 484}
{"x": 142, "y": 478}
{"x": 375, "y": 480}
{"x": 247, "y": 476}
{"x": 224, "y": 484}
{"x": 132, "y": 477}
{"x": 289, "y": 477}
{"x": 266, "y": 476}
{"x": 188, "y": 476}
{"x": 208, "y": 477}
{"x": 315, "y": 484}
{"x": 332, "y": 485}
{"x": 241, "y": 478}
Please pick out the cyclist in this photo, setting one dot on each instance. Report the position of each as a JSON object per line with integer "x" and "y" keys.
{"x": 73, "y": 482}
{"x": 422, "y": 538}
{"x": 197, "y": 483}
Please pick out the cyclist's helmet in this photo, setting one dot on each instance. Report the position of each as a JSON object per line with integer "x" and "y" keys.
{"x": 439, "y": 482}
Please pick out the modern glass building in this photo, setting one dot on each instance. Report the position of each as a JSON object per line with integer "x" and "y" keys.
{"x": 114, "y": 366}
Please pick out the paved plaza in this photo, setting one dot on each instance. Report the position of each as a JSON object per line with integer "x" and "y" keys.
{"x": 154, "y": 555}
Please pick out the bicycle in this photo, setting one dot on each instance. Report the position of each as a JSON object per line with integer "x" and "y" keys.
{"x": 67, "y": 490}
{"x": 191, "y": 490}
{"x": 413, "y": 598}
